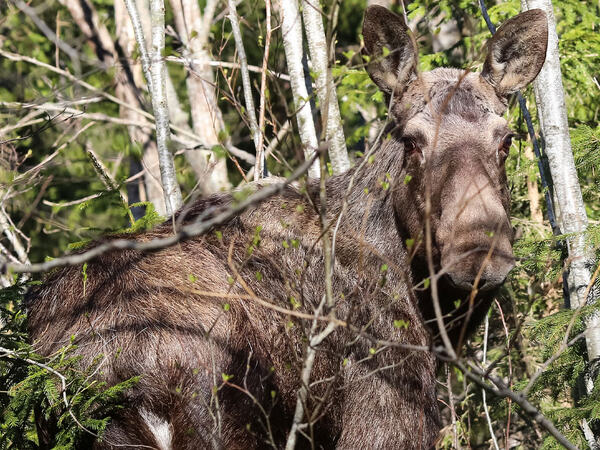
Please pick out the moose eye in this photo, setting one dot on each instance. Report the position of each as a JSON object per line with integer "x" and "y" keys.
{"x": 410, "y": 146}
{"x": 505, "y": 145}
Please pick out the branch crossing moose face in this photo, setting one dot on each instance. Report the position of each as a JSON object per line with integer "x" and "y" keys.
{"x": 230, "y": 333}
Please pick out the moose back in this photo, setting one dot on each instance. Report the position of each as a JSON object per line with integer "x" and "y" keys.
{"x": 217, "y": 326}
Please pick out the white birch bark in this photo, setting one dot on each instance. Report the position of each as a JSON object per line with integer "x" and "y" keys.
{"x": 326, "y": 93}
{"x": 291, "y": 29}
{"x": 247, "y": 87}
{"x": 86, "y": 18}
{"x": 151, "y": 188}
{"x": 572, "y": 217}
{"x": 197, "y": 159}
{"x": 173, "y": 199}
{"x": 552, "y": 111}
{"x": 193, "y": 29}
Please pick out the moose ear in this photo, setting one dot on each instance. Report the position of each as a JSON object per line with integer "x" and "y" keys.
{"x": 516, "y": 53}
{"x": 391, "y": 50}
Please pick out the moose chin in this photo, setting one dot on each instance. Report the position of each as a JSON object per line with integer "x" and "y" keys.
{"x": 218, "y": 326}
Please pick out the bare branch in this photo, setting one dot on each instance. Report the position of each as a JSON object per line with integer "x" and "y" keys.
{"x": 255, "y": 131}
{"x": 186, "y": 232}
{"x": 44, "y": 28}
{"x": 140, "y": 39}
{"x": 501, "y": 390}
{"x": 261, "y": 157}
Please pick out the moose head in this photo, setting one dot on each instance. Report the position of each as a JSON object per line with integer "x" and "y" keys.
{"x": 455, "y": 143}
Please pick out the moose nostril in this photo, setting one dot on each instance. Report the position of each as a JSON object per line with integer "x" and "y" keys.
{"x": 485, "y": 284}
{"x": 460, "y": 282}
{"x": 489, "y": 284}
{"x": 482, "y": 285}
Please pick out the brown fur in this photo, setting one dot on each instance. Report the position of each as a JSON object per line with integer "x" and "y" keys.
{"x": 163, "y": 315}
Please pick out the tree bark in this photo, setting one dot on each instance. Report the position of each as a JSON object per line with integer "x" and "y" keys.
{"x": 126, "y": 90}
{"x": 126, "y": 38}
{"x": 255, "y": 131}
{"x": 158, "y": 72}
{"x": 193, "y": 29}
{"x": 326, "y": 93}
{"x": 552, "y": 112}
{"x": 532, "y": 192}
{"x": 291, "y": 29}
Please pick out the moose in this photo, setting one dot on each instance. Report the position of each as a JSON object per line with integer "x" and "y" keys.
{"x": 218, "y": 326}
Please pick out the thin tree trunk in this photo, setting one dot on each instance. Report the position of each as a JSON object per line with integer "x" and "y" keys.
{"x": 255, "y": 131}
{"x": 85, "y": 16}
{"x": 126, "y": 38}
{"x": 552, "y": 112}
{"x": 193, "y": 29}
{"x": 158, "y": 72}
{"x": 330, "y": 111}
{"x": 261, "y": 156}
{"x": 196, "y": 158}
{"x": 291, "y": 29}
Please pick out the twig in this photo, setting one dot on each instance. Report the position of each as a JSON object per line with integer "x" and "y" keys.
{"x": 196, "y": 140}
{"x": 192, "y": 141}
{"x": 227, "y": 65}
{"x": 285, "y": 129}
{"x": 138, "y": 31}
{"x": 106, "y": 178}
{"x": 309, "y": 359}
{"x": 34, "y": 170}
{"x": 261, "y": 157}
{"x": 47, "y": 31}
{"x": 185, "y": 233}
{"x": 483, "y": 391}
{"x": 255, "y": 131}
{"x": 501, "y": 390}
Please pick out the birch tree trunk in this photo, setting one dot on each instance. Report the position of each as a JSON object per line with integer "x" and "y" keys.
{"x": 85, "y": 16}
{"x": 326, "y": 93}
{"x": 552, "y": 112}
{"x": 194, "y": 29}
{"x": 158, "y": 72}
{"x": 126, "y": 38}
{"x": 291, "y": 29}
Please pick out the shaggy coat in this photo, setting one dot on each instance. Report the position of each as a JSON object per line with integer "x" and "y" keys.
{"x": 217, "y": 326}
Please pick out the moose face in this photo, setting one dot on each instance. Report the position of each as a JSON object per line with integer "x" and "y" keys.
{"x": 455, "y": 142}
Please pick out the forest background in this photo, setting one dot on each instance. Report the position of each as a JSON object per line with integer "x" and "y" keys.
{"x": 78, "y": 160}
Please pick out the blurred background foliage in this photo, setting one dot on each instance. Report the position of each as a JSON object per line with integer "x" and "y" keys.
{"x": 527, "y": 323}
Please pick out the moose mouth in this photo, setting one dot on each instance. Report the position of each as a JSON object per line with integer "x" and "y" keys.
{"x": 482, "y": 285}
{"x": 479, "y": 270}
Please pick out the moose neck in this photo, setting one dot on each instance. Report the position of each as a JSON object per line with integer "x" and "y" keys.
{"x": 369, "y": 219}
{"x": 367, "y": 193}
